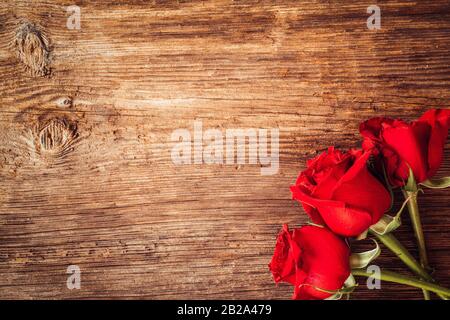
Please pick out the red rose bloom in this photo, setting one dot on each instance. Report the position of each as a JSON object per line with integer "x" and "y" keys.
{"x": 310, "y": 258}
{"x": 418, "y": 145}
{"x": 337, "y": 190}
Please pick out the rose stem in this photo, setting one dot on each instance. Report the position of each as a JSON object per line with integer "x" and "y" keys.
{"x": 402, "y": 279}
{"x": 400, "y": 251}
{"x": 413, "y": 209}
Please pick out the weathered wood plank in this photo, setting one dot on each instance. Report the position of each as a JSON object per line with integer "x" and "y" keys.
{"x": 104, "y": 194}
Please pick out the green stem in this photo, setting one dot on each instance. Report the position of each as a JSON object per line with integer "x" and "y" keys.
{"x": 390, "y": 276}
{"x": 403, "y": 254}
{"x": 413, "y": 209}
{"x": 400, "y": 251}
{"x": 414, "y": 214}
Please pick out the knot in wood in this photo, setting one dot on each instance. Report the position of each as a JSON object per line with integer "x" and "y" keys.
{"x": 56, "y": 137}
{"x": 32, "y": 48}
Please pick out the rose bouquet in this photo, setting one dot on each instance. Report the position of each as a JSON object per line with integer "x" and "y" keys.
{"x": 348, "y": 196}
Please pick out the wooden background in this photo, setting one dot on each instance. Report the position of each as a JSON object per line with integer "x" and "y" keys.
{"x": 86, "y": 116}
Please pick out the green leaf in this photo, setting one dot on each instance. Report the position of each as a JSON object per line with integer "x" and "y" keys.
{"x": 362, "y": 260}
{"x": 437, "y": 183}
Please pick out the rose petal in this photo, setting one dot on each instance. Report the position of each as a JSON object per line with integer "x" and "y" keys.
{"x": 341, "y": 219}
{"x": 325, "y": 260}
{"x": 439, "y": 121}
{"x": 283, "y": 263}
{"x": 310, "y": 210}
{"x": 359, "y": 189}
{"x": 411, "y": 144}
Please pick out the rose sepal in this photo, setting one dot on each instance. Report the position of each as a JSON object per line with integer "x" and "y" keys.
{"x": 349, "y": 286}
{"x": 440, "y": 183}
{"x": 363, "y": 259}
{"x": 389, "y": 223}
{"x": 411, "y": 184}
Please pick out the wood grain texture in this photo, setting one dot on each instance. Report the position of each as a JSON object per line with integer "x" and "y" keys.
{"x": 86, "y": 116}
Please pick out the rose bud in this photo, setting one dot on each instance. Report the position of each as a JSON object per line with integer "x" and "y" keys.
{"x": 312, "y": 259}
{"x": 418, "y": 145}
{"x": 338, "y": 190}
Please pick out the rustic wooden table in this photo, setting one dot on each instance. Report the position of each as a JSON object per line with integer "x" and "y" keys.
{"x": 86, "y": 117}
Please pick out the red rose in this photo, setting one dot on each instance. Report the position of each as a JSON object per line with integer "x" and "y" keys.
{"x": 310, "y": 258}
{"x": 337, "y": 190}
{"x": 401, "y": 145}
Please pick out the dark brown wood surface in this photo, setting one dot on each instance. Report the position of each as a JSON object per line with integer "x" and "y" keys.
{"x": 86, "y": 176}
